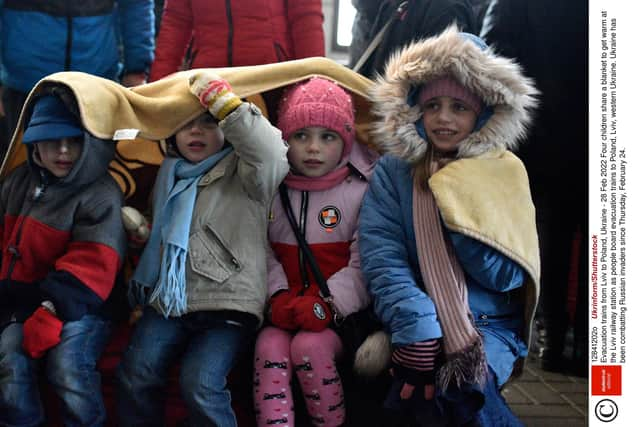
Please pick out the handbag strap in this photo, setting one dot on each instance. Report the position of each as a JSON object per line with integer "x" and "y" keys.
{"x": 325, "y": 293}
{"x": 379, "y": 36}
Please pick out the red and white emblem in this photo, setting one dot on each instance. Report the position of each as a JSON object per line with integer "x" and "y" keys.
{"x": 329, "y": 217}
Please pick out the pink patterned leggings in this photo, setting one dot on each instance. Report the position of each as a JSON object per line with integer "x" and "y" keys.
{"x": 313, "y": 357}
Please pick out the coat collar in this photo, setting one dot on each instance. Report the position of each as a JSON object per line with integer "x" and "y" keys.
{"x": 221, "y": 169}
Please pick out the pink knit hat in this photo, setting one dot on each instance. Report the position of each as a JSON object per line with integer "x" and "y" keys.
{"x": 318, "y": 102}
{"x": 448, "y": 86}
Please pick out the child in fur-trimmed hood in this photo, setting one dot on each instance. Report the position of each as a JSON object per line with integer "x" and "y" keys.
{"x": 447, "y": 228}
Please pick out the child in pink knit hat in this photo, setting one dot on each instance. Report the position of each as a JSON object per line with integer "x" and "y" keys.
{"x": 328, "y": 178}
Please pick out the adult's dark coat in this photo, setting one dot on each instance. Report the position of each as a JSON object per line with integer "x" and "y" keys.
{"x": 420, "y": 19}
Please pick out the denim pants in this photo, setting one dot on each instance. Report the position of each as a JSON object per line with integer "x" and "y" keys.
{"x": 70, "y": 369}
{"x": 207, "y": 352}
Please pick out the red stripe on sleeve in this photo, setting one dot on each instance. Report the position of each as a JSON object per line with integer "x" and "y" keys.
{"x": 39, "y": 246}
{"x": 95, "y": 264}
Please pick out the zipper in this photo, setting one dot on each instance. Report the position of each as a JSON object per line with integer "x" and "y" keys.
{"x": 280, "y": 54}
{"x": 13, "y": 249}
{"x": 230, "y": 34}
{"x": 304, "y": 202}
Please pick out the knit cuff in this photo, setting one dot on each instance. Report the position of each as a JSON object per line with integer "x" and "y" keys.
{"x": 416, "y": 363}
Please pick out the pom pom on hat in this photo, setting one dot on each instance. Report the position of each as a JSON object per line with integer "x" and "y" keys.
{"x": 318, "y": 102}
{"x": 448, "y": 86}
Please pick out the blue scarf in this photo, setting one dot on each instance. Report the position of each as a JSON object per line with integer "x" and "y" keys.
{"x": 173, "y": 203}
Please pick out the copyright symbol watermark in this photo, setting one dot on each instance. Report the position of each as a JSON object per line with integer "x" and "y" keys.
{"x": 606, "y": 410}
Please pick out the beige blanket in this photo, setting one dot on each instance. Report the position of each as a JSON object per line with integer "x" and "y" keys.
{"x": 157, "y": 110}
{"x": 488, "y": 198}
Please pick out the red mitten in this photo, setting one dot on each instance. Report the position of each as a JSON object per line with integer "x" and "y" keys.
{"x": 41, "y": 331}
{"x": 281, "y": 312}
{"x": 311, "y": 313}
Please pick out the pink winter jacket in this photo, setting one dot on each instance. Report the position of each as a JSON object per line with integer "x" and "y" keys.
{"x": 330, "y": 226}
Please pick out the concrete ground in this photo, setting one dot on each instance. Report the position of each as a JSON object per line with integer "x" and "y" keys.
{"x": 541, "y": 398}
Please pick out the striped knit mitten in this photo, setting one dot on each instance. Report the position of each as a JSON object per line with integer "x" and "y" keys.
{"x": 415, "y": 365}
{"x": 214, "y": 93}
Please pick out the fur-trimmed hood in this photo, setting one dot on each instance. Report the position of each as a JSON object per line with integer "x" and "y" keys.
{"x": 497, "y": 80}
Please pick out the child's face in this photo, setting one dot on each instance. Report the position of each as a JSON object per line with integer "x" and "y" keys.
{"x": 314, "y": 151}
{"x": 447, "y": 121}
{"x": 200, "y": 138}
{"x": 60, "y": 155}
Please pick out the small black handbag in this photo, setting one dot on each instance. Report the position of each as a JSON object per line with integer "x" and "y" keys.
{"x": 352, "y": 329}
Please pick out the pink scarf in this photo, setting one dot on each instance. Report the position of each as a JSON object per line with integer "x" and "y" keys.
{"x": 305, "y": 183}
{"x": 445, "y": 283}
{"x": 324, "y": 182}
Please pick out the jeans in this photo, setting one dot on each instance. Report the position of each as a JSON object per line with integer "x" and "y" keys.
{"x": 208, "y": 351}
{"x": 70, "y": 368}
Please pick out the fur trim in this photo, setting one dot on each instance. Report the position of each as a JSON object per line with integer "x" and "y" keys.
{"x": 373, "y": 355}
{"x": 468, "y": 366}
{"x": 497, "y": 80}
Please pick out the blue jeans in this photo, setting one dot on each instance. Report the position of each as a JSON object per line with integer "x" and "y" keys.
{"x": 70, "y": 368}
{"x": 208, "y": 352}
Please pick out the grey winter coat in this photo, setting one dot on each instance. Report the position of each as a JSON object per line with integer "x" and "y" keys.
{"x": 228, "y": 239}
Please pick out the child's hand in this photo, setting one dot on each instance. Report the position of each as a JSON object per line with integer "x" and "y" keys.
{"x": 41, "y": 331}
{"x": 214, "y": 93}
{"x": 281, "y": 312}
{"x": 135, "y": 314}
{"x": 415, "y": 364}
{"x": 311, "y": 313}
{"x": 136, "y": 225}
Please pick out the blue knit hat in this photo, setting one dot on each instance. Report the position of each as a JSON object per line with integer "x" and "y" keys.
{"x": 51, "y": 120}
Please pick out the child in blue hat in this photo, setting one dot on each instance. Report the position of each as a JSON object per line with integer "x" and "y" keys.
{"x": 62, "y": 245}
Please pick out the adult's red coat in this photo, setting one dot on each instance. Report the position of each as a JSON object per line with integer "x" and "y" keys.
{"x": 234, "y": 33}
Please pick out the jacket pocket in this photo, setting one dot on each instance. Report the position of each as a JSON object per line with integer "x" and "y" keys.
{"x": 211, "y": 257}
